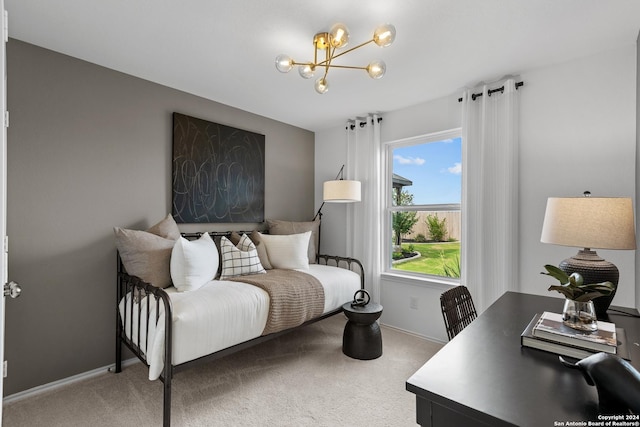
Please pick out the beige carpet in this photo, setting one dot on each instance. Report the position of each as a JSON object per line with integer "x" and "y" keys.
{"x": 299, "y": 379}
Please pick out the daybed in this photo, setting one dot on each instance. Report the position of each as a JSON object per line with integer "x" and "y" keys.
{"x": 171, "y": 326}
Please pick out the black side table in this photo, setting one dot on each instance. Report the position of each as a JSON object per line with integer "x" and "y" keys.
{"x": 362, "y": 338}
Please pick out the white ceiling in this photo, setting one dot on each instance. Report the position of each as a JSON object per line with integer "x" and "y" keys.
{"x": 225, "y": 50}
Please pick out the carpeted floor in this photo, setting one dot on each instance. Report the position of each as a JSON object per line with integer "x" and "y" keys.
{"x": 299, "y": 379}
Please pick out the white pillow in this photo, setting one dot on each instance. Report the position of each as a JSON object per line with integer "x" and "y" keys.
{"x": 240, "y": 260}
{"x": 288, "y": 251}
{"x": 193, "y": 263}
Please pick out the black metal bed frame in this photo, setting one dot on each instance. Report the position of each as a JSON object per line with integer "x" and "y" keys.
{"x": 127, "y": 283}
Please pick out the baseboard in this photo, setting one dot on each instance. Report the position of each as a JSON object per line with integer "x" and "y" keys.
{"x": 65, "y": 381}
{"x": 424, "y": 337}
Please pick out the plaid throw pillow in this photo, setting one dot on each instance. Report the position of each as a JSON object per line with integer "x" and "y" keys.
{"x": 240, "y": 260}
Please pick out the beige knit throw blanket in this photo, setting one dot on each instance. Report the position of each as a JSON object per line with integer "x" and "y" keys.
{"x": 294, "y": 296}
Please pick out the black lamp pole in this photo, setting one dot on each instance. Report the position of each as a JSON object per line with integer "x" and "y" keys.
{"x": 319, "y": 213}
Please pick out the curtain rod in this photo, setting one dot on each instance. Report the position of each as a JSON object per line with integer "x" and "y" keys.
{"x": 491, "y": 91}
{"x": 352, "y": 123}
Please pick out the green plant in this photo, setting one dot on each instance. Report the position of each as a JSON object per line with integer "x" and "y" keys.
{"x": 573, "y": 287}
{"x": 451, "y": 267}
{"x": 403, "y": 222}
{"x": 420, "y": 238}
{"x": 437, "y": 228}
{"x": 411, "y": 248}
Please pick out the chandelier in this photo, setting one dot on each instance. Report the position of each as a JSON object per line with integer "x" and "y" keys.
{"x": 330, "y": 42}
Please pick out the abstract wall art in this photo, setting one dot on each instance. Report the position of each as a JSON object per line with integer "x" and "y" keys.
{"x": 218, "y": 172}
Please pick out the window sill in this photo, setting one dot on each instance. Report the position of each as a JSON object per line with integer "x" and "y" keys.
{"x": 420, "y": 280}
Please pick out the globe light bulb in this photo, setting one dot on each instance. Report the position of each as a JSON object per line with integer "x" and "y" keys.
{"x": 384, "y": 35}
{"x": 376, "y": 69}
{"x": 306, "y": 71}
{"x": 284, "y": 63}
{"x": 321, "y": 85}
{"x": 339, "y": 35}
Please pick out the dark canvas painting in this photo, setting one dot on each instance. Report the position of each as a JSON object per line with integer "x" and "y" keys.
{"x": 218, "y": 172}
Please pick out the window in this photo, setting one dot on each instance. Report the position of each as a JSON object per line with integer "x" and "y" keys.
{"x": 423, "y": 197}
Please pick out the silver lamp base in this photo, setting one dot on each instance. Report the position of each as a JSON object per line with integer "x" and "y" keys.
{"x": 594, "y": 270}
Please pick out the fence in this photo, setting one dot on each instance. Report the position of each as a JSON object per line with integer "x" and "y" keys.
{"x": 453, "y": 223}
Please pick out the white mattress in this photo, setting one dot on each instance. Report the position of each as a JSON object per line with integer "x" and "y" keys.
{"x": 222, "y": 314}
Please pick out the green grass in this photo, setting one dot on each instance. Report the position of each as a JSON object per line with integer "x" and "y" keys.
{"x": 431, "y": 261}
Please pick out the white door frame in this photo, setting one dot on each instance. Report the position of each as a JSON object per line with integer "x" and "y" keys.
{"x": 3, "y": 186}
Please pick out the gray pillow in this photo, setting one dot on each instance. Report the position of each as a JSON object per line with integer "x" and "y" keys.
{"x": 262, "y": 250}
{"x": 147, "y": 254}
{"x": 166, "y": 228}
{"x": 260, "y": 247}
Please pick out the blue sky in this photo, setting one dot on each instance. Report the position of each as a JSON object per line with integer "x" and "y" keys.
{"x": 434, "y": 168}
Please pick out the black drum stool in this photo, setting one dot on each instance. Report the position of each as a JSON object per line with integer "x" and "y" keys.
{"x": 362, "y": 338}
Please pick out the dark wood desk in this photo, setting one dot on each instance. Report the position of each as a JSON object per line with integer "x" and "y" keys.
{"x": 483, "y": 377}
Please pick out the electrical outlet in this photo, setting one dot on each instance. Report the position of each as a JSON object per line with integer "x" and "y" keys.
{"x": 413, "y": 303}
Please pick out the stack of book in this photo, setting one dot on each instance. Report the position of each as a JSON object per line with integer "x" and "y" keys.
{"x": 547, "y": 332}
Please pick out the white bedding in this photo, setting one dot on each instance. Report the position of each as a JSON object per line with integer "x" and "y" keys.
{"x": 222, "y": 314}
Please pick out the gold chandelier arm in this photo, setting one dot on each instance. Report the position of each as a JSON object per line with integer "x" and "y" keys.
{"x": 294, "y": 62}
{"x": 327, "y": 61}
{"x": 315, "y": 55}
{"x": 350, "y": 50}
{"x": 352, "y": 67}
{"x": 311, "y": 64}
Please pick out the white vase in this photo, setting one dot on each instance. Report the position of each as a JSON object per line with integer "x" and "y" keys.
{"x": 580, "y": 315}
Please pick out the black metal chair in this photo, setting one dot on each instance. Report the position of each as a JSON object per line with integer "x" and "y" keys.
{"x": 458, "y": 310}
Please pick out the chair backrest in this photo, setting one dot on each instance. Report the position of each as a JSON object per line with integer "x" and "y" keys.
{"x": 458, "y": 310}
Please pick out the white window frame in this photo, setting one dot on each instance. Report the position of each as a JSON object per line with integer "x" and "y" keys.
{"x": 388, "y": 207}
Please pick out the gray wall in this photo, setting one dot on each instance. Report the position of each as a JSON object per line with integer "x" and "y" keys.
{"x": 89, "y": 148}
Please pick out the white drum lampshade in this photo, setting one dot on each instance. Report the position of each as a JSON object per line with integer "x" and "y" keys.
{"x": 341, "y": 191}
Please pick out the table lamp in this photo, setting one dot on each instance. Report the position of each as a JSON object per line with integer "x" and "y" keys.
{"x": 590, "y": 223}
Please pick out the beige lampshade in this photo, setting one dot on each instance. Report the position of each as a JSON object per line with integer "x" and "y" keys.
{"x": 589, "y": 222}
{"x": 341, "y": 191}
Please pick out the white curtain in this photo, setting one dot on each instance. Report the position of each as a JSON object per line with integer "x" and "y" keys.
{"x": 364, "y": 218}
{"x": 490, "y": 192}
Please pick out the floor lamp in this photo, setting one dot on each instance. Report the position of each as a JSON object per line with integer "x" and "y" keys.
{"x": 339, "y": 190}
{"x": 590, "y": 223}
